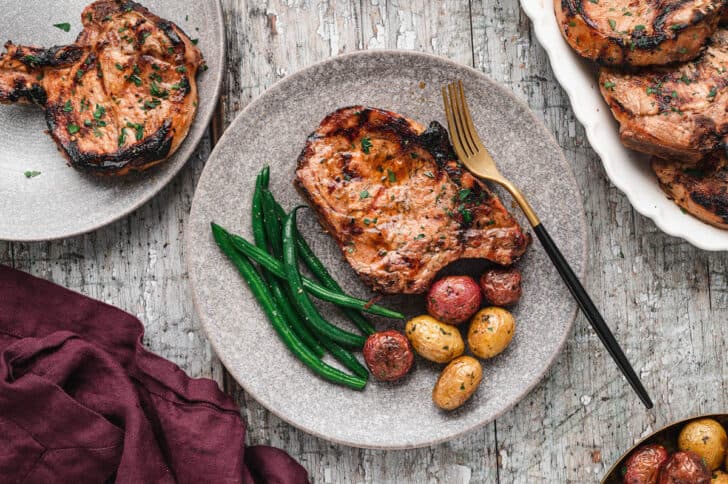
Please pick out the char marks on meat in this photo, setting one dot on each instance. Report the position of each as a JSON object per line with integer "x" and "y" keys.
{"x": 121, "y": 98}
{"x": 675, "y": 112}
{"x": 397, "y": 201}
{"x": 638, "y": 33}
{"x": 701, "y": 190}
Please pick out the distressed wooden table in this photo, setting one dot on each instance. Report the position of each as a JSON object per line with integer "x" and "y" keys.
{"x": 666, "y": 301}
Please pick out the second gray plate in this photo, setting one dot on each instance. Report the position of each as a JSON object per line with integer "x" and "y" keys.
{"x": 272, "y": 130}
{"x": 63, "y": 202}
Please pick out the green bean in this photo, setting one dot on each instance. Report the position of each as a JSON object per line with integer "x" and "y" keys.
{"x": 273, "y": 223}
{"x": 274, "y": 285}
{"x": 262, "y": 294}
{"x": 275, "y": 266}
{"x": 320, "y": 271}
{"x": 300, "y": 297}
{"x": 345, "y": 357}
{"x": 261, "y": 182}
{"x": 273, "y": 234}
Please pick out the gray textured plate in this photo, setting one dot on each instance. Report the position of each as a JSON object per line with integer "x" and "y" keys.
{"x": 62, "y": 202}
{"x": 273, "y": 130}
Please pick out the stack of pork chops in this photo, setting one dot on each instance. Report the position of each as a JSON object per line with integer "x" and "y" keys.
{"x": 664, "y": 73}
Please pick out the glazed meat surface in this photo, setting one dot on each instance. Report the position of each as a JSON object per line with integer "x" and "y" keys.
{"x": 701, "y": 190}
{"x": 121, "y": 98}
{"x": 398, "y": 203}
{"x": 676, "y": 112}
{"x": 625, "y": 32}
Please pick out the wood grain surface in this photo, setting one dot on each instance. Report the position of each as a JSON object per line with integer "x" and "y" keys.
{"x": 666, "y": 301}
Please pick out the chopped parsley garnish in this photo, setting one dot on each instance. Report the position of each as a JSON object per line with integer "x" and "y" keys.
{"x": 156, "y": 91}
{"x": 414, "y": 155}
{"x": 609, "y": 85}
{"x": 639, "y": 27}
{"x": 79, "y": 74}
{"x": 463, "y": 194}
{"x": 135, "y": 79}
{"x": 136, "y": 69}
{"x": 155, "y": 77}
{"x": 181, "y": 69}
{"x": 139, "y": 128}
{"x": 420, "y": 236}
{"x": 31, "y": 59}
{"x": 31, "y": 174}
{"x": 612, "y": 24}
{"x": 195, "y": 41}
{"x": 466, "y": 214}
{"x": 144, "y": 37}
{"x": 84, "y": 104}
{"x": 429, "y": 174}
{"x": 119, "y": 66}
{"x": 652, "y": 90}
{"x": 122, "y": 137}
{"x": 677, "y": 27}
{"x": 68, "y": 107}
{"x": 73, "y": 128}
{"x": 392, "y": 176}
{"x": 363, "y": 194}
{"x": 712, "y": 93}
{"x": 148, "y": 105}
{"x": 366, "y": 145}
{"x": 65, "y": 26}
{"x": 99, "y": 112}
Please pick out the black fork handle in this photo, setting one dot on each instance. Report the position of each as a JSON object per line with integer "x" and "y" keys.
{"x": 592, "y": 313}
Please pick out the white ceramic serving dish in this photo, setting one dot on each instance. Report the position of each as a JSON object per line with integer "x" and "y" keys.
{"x": 628, "y": 170}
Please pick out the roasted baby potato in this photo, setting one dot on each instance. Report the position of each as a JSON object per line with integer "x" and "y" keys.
{"x": 454, "y": 299}
{"x": 388, "y": 355}
{"x": 501, "y": 286}
{"x": 643, "y": 466}
{"x": 684, "y": 467}
{"x": 707, "y": 438}
{"x": 457, "y": 382}
{"x": 433, "y": 340}
{"x": 491, "y": 331}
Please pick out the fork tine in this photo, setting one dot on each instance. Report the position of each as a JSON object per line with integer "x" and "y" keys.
{"x": 476, "y": 143}
{"x": 452, "y": 126}
{"x": 459, "y": 119}
{"x": 459, "y": 127}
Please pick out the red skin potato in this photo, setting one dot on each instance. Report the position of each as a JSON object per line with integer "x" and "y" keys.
{"x": 501, "y": 286}
{"x": 454, "y": 299}
{"x": 643, "y": 466}
{"x": 684, "y": 468}
{"x": 389, "y": 355}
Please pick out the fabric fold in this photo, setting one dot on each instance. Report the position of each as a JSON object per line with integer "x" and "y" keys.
{"x": 82, "y": 401}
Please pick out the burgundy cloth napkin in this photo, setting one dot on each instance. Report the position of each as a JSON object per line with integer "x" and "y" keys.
{"x": 82, "y": 401}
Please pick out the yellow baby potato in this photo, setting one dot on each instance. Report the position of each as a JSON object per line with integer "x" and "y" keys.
{"x": 491, "y": 331}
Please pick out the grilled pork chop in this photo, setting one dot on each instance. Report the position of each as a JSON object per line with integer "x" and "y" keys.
{"x": 701, "y": 190}
{"x": 121, "y": 98}
{"x": 398, "y": 203}
{"x": 675, "y": 112}
{"x": 638, "y": 33}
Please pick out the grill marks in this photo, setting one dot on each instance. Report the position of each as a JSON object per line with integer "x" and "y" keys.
{"x": 121, "y": 98}
{"x": 625, "y": 32}
{"x": 701, "y": 189}
{"x": 396, "y": 201}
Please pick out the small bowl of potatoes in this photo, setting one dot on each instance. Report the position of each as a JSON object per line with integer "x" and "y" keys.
{"x": 694, "y": 450}
{"x": 463, "y": 328}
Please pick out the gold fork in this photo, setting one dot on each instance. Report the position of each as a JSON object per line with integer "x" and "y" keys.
{"x": 475, "y": 156}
